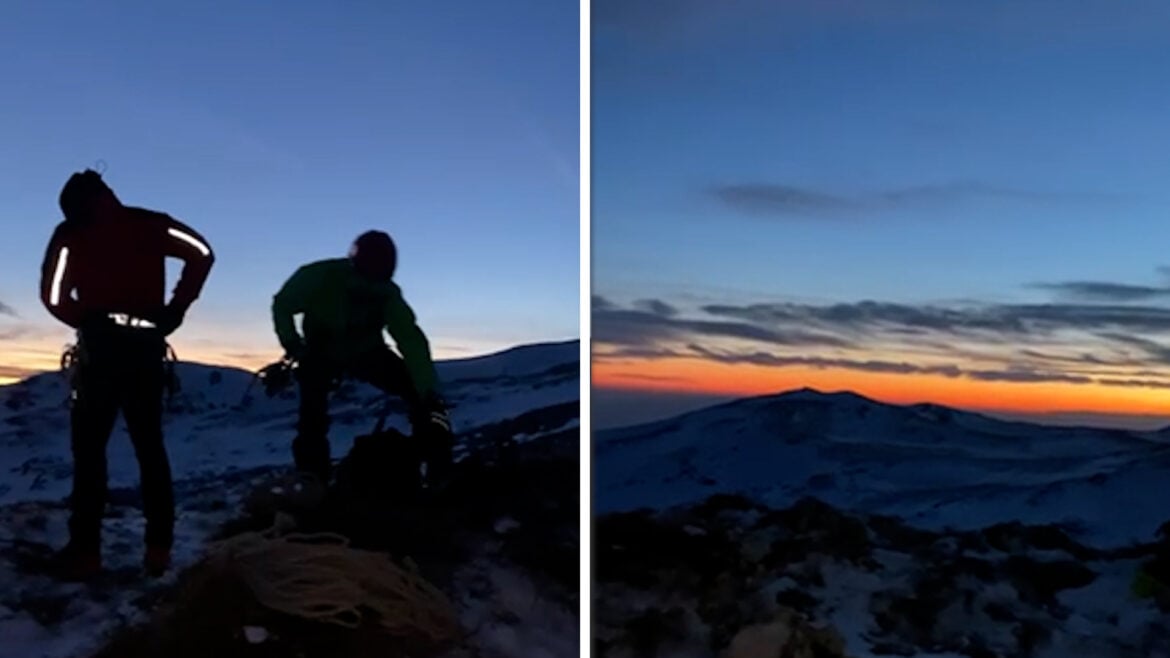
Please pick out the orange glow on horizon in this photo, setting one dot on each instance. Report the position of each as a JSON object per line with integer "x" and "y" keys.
{"x": 23, "y": 364}
{"x": 705, "y": 377}
{"x": 24, "y": 359}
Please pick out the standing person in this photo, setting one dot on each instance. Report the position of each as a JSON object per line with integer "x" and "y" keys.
{"x": 347, "y": 303}
{"x": 104, "y": 274}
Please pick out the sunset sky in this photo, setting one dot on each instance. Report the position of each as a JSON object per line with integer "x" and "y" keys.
{"x": 282, "y": 134}
{"x": 928, "y": 200}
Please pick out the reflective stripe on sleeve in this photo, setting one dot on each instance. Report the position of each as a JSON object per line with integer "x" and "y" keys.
{"x": 191, "y": 240}
{"x": 59, "y": 276}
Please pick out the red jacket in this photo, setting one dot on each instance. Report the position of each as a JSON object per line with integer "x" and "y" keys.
{"x": 117, "y": 264}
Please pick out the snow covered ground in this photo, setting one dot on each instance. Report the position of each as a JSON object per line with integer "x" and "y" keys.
{"x": 930, "y": 465}
{"x": 950, "y": 474}
{"x": 220, "y": 445}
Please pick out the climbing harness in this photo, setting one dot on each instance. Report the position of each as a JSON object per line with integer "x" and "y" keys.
{"x": 73, "y": 357}
{"x": 71, "y": 360}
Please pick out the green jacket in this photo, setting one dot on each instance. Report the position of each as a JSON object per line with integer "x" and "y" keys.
{"x": 344, "y": 315}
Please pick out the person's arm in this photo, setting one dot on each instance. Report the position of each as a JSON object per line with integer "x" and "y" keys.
{"x": 291, "y": 299}
{"x": 57, "y": 280}
{"x": 412, "y": 343}
{"x": 185, "y": 243}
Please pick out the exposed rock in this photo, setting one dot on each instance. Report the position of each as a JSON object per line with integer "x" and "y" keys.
{"x": 796, "y": 599}
{"x": 1040, "y": 581}
{"x": 813, "y": 527}
{"x": 730, "y": 563}
{"x": 892, "y": 530}
{"x": 788, "y": 636}
{"x": 1016, "y": 537}
{"x": 639, "y": 549}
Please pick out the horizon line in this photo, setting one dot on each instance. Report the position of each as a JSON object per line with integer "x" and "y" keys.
{"x": 1002, "y": 414}
{"x": 33, "y": 372}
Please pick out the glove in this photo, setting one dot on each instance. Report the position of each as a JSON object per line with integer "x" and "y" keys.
{"x": 171, "y": 319}
{"x": 294, "y": 351}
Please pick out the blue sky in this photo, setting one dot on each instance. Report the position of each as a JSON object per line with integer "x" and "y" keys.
{"x": 947, "y": 154}
{"x": 281, "y": 131}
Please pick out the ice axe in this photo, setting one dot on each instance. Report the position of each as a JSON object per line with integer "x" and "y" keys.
{"x": 275, "y": 377}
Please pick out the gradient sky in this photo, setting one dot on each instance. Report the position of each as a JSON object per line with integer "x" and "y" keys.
{"x": 924, "y": 200}
{"x": 282, "y": 131}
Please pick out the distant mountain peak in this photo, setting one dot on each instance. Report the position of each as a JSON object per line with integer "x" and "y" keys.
{"x": 814, "y": 394}
{"x": 804, "y": 392}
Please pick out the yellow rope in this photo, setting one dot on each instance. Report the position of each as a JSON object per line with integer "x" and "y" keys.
{"x": 321, "y": 578}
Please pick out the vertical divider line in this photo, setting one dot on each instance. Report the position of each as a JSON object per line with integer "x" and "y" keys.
{"x": 586, "y": 443}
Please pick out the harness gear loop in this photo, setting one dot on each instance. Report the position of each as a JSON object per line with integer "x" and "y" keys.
{"x": 70, "y": 365}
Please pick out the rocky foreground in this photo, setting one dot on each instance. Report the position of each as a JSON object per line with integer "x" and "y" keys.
{"x": 500, "y": 544}
{"x": 731, "y": 578}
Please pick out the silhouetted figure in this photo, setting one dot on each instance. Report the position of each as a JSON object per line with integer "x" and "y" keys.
{"x": 104, "y": 274}
{"x": 347, "y": 303}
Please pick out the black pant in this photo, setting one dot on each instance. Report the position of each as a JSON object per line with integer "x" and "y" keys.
{"x": 381, "y": 368}
{"x": 120, "y": 369}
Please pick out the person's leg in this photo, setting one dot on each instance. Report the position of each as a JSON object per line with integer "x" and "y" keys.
{"x": 94, "y": 412}
{"x": 385, "y": 370}
{"x": 311, "y": 452}
{"x": 143, "y": 406}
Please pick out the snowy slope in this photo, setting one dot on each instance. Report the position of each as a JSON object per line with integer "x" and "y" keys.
{"x": 221, "y": 441}
{"x": 945, "y": 571}
{"x": 521, "y": 361}
{"x": 208, "y": 429}
{"x": 931, "y": 465}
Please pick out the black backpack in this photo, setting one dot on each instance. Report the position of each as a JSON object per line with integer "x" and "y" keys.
{"x": 382, "y": 465}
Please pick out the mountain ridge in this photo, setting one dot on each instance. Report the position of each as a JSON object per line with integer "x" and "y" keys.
{"x": 933, "y": 465}
{"x": 812, "y": 394}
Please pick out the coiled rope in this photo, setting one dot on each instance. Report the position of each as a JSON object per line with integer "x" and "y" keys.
{"x": 320, "y": 577}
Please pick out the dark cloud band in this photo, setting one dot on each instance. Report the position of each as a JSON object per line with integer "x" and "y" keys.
{"x": 783, "y": 200}
{"x": 1071, "y": 343}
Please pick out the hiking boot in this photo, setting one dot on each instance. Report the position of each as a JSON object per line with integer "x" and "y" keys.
{"x": 157, "y": 560}
{"x": 75, "y": 564}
